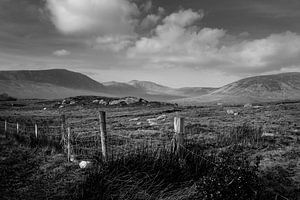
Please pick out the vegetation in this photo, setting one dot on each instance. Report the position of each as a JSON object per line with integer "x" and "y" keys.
{"x": 227, "y": 156}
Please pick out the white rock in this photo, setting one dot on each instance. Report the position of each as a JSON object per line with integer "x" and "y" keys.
{"x": 265, "y": 134}
{"x": 248, "y": 105}
{"x": 61, "y": 106}
{"x": 162, "y": 117}
{"x": 45, "y": 109}
{"x": 139, "y": 123}
{"x": 153, "y": 123}
{"x": 85, "y": 164}
{"x": 102, "y": 102}
{"x": 73, "y": 159}
{"x": 235, "y": 114}
{"x": 230, "y": 112}
{"x": 95, "y": 101}
{"x": 151, "y": 120}
{"x": 134, "y": 119}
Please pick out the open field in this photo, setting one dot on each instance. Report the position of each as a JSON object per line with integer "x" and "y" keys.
{"x": 210, "y": 133}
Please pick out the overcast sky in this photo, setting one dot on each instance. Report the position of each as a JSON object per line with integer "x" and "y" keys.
{"x": 172, "y": 42}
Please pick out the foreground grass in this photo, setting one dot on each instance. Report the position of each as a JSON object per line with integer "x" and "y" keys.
{"x": 222, "y": 171}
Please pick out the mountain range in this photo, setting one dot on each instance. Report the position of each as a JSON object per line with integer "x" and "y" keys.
{"x": 60, "y": 83}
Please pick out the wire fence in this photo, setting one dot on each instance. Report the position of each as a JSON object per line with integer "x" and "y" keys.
{"x": 88, "y": 138}
{"x": 82, "y": 139}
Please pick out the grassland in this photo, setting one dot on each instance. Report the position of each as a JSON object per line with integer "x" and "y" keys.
{"x": 226, "y": 157}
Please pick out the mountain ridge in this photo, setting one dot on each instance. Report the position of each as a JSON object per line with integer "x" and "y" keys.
{"x": 56, "y": 83}
{"x": 283, "y": 86}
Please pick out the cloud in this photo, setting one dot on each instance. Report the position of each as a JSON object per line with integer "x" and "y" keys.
{"x": 61, "y": 52}
{"x": 113, "y": 43}
{"x": 183, "y": 18}
{"x": 93, "y": 17}
{"x": 177, "y": 42}
{"x": 146, "y": 7}
{"x": 150, "y": 21}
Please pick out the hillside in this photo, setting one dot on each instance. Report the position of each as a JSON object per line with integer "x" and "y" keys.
{"x": 285, "y": 86}
{"x": 57, "y": 77}
{"x": 34, "y": 90}
{"x": 60, "y": 83}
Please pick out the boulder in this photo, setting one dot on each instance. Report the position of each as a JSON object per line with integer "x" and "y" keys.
{"x": 85, "y": 164}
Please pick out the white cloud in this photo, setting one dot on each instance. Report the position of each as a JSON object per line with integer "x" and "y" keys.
{"x": 61, "y": 52}
{"x": 114, "y": 43}
{"x": 100, "y": 17}
{"x": 183, "y": 18}
{"x": 178, "y": 43}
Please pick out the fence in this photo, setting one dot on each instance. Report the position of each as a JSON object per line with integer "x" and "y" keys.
{"x": 91, "y": 140}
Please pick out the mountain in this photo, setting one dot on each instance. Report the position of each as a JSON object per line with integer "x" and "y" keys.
{"x": 60, "y": 83}
{"x": 48, "y": 84}
{"x": 58, "y": 77}
{"x": 285, "y": 86}
{"x": 196, "y": 91}
{"x": 154, "y": 91}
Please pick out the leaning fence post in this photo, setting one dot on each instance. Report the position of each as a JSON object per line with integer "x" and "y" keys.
{"x": 5, "y": 129}
{"x": 68, "y": 144}
{"x": 179, "y": 134}
{"x": 103, "y": 134}
{"x": 36, "y": 131}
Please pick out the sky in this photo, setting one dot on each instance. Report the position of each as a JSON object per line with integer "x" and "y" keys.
{"x": 178, "y": 43}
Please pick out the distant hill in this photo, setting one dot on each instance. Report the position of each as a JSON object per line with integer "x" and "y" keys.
{"x": 285, "y": 86}
{"x": 61, "y": 83}
{"x": 154, "y": 91}
{"x": 58, "y": 77}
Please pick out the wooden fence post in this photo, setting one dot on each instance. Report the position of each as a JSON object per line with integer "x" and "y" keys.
{"x": 36, "y": 131}
{"x": 103, "y": 134}
{"x": 5, "y": 129}
{"x": 179, "y": 134}
{"x": 68, "y": 144}
{"x": 17, "y": 128}
{"x": 63, "y": 132}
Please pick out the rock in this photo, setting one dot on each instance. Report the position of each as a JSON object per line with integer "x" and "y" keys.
{"x": 73, "y": 159}
{"x": 162, "y": 117}
{"x": 115, "y": 102}
{"x": 139, "y": 123}
{"x": 265, "y": 134}
{"x": 127, "y": 101}
{"x": 85, "y": 164}
{"x": 72, "y": 102}
{"x": 134, "y": 119}
{"x": 235, "y": 114}
{"x": 153, "y": 123}
{"x": 44, "y": 108}
{"x": 230, "y": 112}
{"x": 61, "y": 106}
{"x": 151, "y": 119}
{"x": 102, "y": 102}
{"x": 95, "y": 101}
{"x": 248, "y": 105}
{"x": 220, "y": 104}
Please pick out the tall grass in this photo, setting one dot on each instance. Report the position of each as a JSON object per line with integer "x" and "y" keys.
{"x": 148, "y": 175}
{"x": 242, "y": 135}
